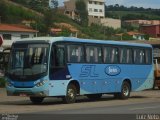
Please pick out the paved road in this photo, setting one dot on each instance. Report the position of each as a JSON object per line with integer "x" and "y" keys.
{"x": 145, "y": 102}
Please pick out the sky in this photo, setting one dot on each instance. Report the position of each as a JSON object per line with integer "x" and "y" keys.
{"x": 128, "y": 3}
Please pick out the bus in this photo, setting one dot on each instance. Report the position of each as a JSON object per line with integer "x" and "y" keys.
{"x": 67, "y": 67}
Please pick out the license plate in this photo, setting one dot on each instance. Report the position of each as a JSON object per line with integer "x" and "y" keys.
{"x": 23, "y": 95}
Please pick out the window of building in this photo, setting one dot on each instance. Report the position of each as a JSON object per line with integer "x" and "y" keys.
{"x": 24, "y": 36}
{"x": 95, "y": 10}
{"x": 90, "y": 9}
{"x": 90, "y": 2}
{"x": 100, "y": 10}
{"x": 7, "y": 36}
{"x": 93, "y": 54}
{"x": 100, "y": 3}
{"x": 75, "y": 53}
{"x": 95, "y": 2}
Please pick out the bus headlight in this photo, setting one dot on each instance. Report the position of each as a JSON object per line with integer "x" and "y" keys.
{"x": 8, "y": 83}
{"x": 41, "y": 83}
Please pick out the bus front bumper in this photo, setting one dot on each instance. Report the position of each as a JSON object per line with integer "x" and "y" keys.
{"x": 12, "y": 91}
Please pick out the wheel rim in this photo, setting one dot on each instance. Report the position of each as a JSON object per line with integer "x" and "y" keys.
{"x": 71, "y": 94}
{"x": 125, "y": 90}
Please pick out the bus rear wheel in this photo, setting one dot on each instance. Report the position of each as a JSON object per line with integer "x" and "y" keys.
{"x": 36, "y": 100}
{"x": 94, "y": 96}
{"x": 71, "y": 94}
{"x": 125, "y": 91}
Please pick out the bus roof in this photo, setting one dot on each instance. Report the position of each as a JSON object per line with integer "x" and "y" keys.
{"x": 81, "y": 40}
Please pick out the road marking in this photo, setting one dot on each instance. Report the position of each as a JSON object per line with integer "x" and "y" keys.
{"x": 142, "y": 108}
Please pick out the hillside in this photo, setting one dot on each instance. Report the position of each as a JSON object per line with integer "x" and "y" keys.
{"x": 15, "y": 11}
{"x": 132, "y": 13}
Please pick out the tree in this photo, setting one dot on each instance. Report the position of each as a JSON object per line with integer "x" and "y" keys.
{"x": 82, "y": 11}
{"x": 49, "y": 16}
{"x": 54, "y": 4}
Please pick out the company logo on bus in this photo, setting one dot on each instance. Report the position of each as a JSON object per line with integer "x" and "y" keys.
{"x": 112, "y": 70}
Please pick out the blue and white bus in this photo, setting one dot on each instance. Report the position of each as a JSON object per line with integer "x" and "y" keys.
{"x": 66, "y": 67}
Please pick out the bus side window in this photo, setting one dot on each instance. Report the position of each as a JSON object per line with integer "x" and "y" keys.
{"x": 148, "y": 56}
{"x": 123, "y": 55}
{"x": 129, "y": 56}
{"x": 75, "y": 53}
{"x": 59, "y": 57}
{"x": 139, "y": 56}
{"x": 107, "y": 54}
{"x": 114, "y": 55}
{"x": 93, "y": 54}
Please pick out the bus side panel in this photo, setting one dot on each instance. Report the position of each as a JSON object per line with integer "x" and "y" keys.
{"x": 108, "y": 78}
{"x": 58, "y": 87}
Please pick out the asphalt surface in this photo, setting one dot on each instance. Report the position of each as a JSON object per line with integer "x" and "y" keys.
{"x": 140, "y": 103}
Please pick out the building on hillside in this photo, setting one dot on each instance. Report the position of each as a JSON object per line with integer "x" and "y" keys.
{"x": 134, "y": 35}
{"x": 141, "y": 22}
{"x": 96, "y": 13}
{"x": 96, "y": 8}
{"x": 64, "y": 26}
{"x": 70, "y": 9}
{"x": 10, "y": 33}
{"x": 152, "y": 30}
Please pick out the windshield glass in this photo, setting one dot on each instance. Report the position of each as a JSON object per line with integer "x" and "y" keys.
{"x": 28, "y": 59}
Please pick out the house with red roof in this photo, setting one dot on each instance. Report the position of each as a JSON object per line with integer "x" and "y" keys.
{"x": 12, "y": 32}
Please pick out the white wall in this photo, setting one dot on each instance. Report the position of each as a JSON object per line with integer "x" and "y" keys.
{"x": 110, "y": 22}
{"x": 14, "y": 36}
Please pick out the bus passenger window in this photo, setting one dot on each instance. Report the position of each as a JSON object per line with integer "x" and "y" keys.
{"x": 139, "y": 56}
{"x": 123, "y": 55}
{"x": 59, "y": 57}
{"x": 129, "y": 56}
{"x": 142, "y": 57}
{"x": 148, "y": 57}
{"x": 114, "y": 55}
{"x": 107, "y": 54}
{"x": 93, "y": 54}
{"x": 75, "y": 53}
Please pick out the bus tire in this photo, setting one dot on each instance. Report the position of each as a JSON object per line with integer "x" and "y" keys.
{"x": 125, "y": 90}
{"x": 159, "y": 87}
{"x": 36, "y": 100}
{"x": 70, "y": 94}
{"x": 94, "y": 96}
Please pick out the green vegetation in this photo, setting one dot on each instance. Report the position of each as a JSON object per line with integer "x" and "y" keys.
{"x": 12, "y": 14}
{"x": 37, "y": 5}
{"x": 2, "y": 82}
{"x": 132, "y": 13}
{"x": 81, "y": 9}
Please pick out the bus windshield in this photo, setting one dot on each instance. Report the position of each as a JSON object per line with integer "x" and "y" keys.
{"x": 28, "y": 59}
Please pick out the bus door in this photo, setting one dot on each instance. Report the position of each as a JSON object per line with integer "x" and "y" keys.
{"x": 58, "y": 69}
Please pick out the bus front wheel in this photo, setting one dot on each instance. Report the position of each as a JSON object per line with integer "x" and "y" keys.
{"x": 70, "y": 94}
{"x": 36, "y": 100}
